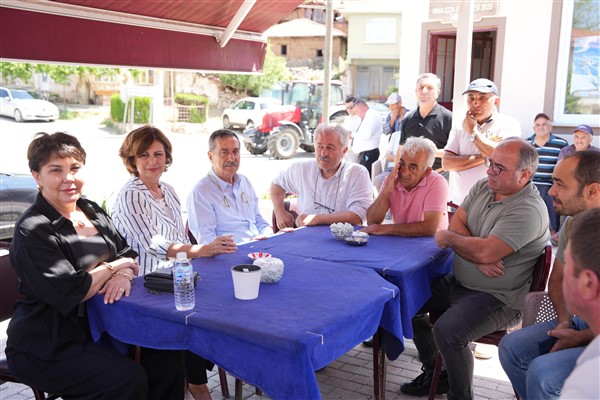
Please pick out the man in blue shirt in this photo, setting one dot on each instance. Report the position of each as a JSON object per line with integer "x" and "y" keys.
{"x": 224, "y": 202}
{"x": 548, "y": 147}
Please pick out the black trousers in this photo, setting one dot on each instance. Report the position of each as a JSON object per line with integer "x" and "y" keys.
{"x": 196, "y": 368}
{"x": 367, "y": 158}
{"x": 97, "y": 373}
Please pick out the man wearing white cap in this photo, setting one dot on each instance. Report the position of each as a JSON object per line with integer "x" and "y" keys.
{"x": 393, "y": 122}
{"x": 482, "y": 129}
{"x": 582, "y": 140}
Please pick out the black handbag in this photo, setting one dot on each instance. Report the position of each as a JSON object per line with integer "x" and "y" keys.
{"x": 161, "y": 280}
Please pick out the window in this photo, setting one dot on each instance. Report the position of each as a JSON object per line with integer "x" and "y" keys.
{"x": 381, "y": 30}
{"x": 578, "y": 77}
{"x": 284, "y": 49}
{"x": 319, "y": 53}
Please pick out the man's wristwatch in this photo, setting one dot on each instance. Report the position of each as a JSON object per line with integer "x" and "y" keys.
{"x": 473, "y": 135}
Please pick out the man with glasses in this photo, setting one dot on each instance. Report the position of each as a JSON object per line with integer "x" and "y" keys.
{"x": 497, "y": 235}
{"x": 224, "y": 202}
{"x": 537, "y": 359}
{"x": 329, "y": 189}
{"x": 415, "y": 195}
{"x": 482, "y": 129}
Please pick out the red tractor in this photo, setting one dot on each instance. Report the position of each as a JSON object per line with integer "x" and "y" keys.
{"x": 289, "y": 126}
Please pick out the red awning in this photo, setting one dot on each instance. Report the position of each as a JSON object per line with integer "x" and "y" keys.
{"x": 173, "y": 34}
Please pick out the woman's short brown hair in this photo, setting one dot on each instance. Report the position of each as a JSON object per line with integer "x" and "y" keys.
{"x": 138, "y": 142}
{"x": 45, "y": 146}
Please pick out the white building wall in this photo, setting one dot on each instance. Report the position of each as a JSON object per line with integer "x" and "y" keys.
{"x": 522, "y": 74}
{"x": 414, "y": 13}
{"x": 524, "y": 67}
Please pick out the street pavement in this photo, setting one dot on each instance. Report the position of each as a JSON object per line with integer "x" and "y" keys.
{"x": 349, "y": 377}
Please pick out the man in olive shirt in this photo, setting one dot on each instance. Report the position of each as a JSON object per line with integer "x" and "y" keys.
{"x": 497, "y": 234}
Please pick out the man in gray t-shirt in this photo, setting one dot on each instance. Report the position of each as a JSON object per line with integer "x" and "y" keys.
{"x": 497, "y": 234}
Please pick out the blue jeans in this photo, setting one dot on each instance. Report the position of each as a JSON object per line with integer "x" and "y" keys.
{"x": 532, "y": 374}
{"x": 552, "y": 215}
{"x": 468, "y": 315}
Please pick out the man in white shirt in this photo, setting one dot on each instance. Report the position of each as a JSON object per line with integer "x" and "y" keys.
{"x": 329, "y": 189}
{"x": 581, "y": 288}
{"x": 365, "y": 137}
{"x": 481, "y": 131}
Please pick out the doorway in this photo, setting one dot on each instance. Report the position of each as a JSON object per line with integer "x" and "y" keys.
{"x": 442, "y": 57}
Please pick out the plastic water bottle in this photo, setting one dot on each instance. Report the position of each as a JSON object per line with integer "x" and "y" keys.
{"x": 183, "y": 282}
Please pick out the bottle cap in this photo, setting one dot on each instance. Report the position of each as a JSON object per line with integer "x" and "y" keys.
{"x": 181, "y": 254}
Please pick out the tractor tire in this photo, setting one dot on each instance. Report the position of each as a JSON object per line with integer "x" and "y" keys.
{"x": 253, "y": 150}
{"x": 309, "y": 148}
{"x": 284, "y": 144}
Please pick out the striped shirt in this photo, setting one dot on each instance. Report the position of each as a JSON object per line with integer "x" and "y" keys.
{"x": 548, "y": 157}
{"x": 149, "y": 228}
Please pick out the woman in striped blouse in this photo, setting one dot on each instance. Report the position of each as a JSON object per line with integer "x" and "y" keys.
{"x": 147, "y": 212}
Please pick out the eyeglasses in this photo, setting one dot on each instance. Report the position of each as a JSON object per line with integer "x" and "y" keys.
{"x": 243, "y": 198}
{"x": 328, "y": 209}
{"x": 496, "y": 169}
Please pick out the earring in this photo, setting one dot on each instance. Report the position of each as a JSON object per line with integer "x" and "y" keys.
{"x": 40, "y": 187}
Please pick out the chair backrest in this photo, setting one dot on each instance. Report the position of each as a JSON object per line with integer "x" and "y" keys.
{"x": 537, "y": 308}
{"x": 452, "y": 207}
{"x": 189, "y": 234}
{"x": 541, "y": 270}
{"x": 8, "y": 284}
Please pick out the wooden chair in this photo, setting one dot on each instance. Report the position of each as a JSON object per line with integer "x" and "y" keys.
{"x": 8, "y": 297}
{"x": 451, "y": 207}
{"x": 286, "y": 205}
{"x": 541, "y": 271}
{"x": 222, "y": 373}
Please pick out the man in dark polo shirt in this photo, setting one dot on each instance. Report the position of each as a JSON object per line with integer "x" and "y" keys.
{"x": 430, "y": 119}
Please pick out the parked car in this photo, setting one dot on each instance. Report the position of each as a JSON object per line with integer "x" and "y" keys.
{"x": 23, "y": 105}
{"x": 248, "y": 111}
{"x": 17, "y": 193}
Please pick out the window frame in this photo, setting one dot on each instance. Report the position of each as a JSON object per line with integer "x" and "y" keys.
{"x": 562, "y": 70}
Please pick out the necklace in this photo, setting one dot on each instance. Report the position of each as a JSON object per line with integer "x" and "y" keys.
{"x": 79, "y": 222}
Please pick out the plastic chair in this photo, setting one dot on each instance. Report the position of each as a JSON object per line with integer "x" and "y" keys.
{"x": 537, "y": 308}
{"x": 8, "y": 296}
{"x": 222, "y": 372}
{"x": 541, "y": 271}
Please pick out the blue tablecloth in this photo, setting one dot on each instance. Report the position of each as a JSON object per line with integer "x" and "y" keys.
{"x": 317, "y": 312}
{"x": 410, "y": 263}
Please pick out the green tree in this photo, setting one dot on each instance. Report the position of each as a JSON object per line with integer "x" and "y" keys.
{"x": 274, "y": 70}
{"x": 61, "y": 74}
{"x": 11, "y": 71}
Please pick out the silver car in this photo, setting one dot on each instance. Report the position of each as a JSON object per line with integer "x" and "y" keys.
{"x": 247, "y": 112}
{"x": 22, "y": 105}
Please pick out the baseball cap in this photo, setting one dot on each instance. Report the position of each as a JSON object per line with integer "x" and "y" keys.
{"x": 393, "y": 99}
{"x": 542, "y": 115}
{"x": 585, "y": 128}
{"x": 482, "y": 85}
